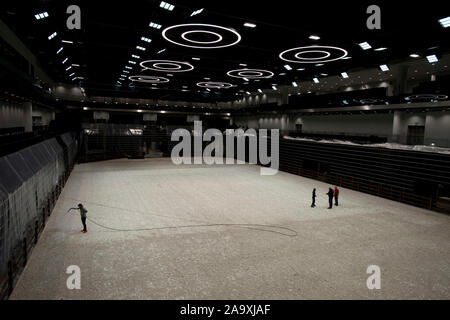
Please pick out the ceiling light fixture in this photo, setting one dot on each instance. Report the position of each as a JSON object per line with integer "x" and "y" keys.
{"x": 414, "y": 55}
{"x": 146, "y": 39}
{"x": 326, "y": 54}
{"x": 294, "y": 84}
{"x": 314, "y": 37}
{"x": 196, "y": 12}
{"x": 42, "y": 15}
{"x": 260, "y": 91}
{"x": 59, "y": 50}
{"x": 432, "y": 58}
{"x": 140, "y": 48}
{"x": 344, "y": 75}
{"x": 384, "y": 67}
{"x": 287, "y": 67}
{"x": 135, "y": 56}
{"x": 50, "y": 37}
{"x": 166, "y": 6}
{"x": 380, "y": 49}
{"x": 67, "y": 41}
{"x": 445, "y": 22}
{"x": 316, "y": 80}
{"x": 249, "y": 25}
{"x": 155, "y": 25}
{"x": 178, "y": 34}
{"x": 365, "y": 45}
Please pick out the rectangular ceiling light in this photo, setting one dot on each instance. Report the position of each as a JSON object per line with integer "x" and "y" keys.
{"x": 295, "y": 84}
{"x": 287, "y": 67}
{"x": 67, "y": 41}
{"x": 75, "y": 65}
{"x": 140, "y": 48}
{"x": 316, "y": 80}
{"x": 161, "y": 51}
{"x": 146, "y": 39}
{"x": 73, "y": 73}
{"x": 131, "y": 61}
{"x": 126, "y": 71}
{"x": 128, "y": 67}
{"x": 274, "y": 88}
{"x": 155, "y": 25}
{"x": 242, "y": 64}
{"x": 41, "y": 15}
{"x": 380, "y": 49}
{"x": 365, "y": 45}
{"x": 314, "y": 37}
{"x": 247, "y": 92}
{"x": 68, "y": 68}
{"x": 414, "y": 55}
{"x": 196, "y": 12}
{"x": 195, "y": 58}
{"x": 65, "y": 60}
{"x": 135, "y": 56}
{"x": 50, "y": 37}
{"x": 166, "y": 6}
{"x": 249, "y": 25}
{"x": 432, "y": 58}
{"x": 344, "y": 75}
{"x": 259, "y": 90}
{"x": 445, "y": 22}
{"x": 59, "y": 50}
{"x": 384, "y": 67}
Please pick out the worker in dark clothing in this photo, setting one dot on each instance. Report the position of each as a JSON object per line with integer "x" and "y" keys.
{"x": 330, "y": 194}
{"x": 83, "y": 212}
{"x": 336, "y": 196}
{"x": 313, "y": 198}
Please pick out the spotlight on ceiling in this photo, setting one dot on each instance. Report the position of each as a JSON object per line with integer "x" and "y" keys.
{"x": 365, "y": 45}
{"x": 432, "y": 58}
{"x": 259, "y": 90}
{"x": 249, "y": 25}
{"x": 196, "y": 12}
{"x": 314, "y": 37}
{"x": 287, "y": 67}
{"x": 146, "y": 39}
{"x": 384, "y": 67}
{"x": 50, "y": 37}
{"x": 414, "y": 55}
{"x": 344, "y": 75}
{"x": 41, "y": 15}
{"x": 445, "y": 22}
{"x": 155, "y": 25}
{"x": 140, "y": 48}
{"x": 316, "y": 80}
{"x": 135, "y": 56}
{"x": 166, "y": 6}
{"x": 294, "y": 84}
{"x": 274, "y": 88}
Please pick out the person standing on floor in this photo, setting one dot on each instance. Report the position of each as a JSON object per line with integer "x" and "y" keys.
{"x": 330, "y": 194}
{"x": 336, "y": 196}
{"x": 313, "y": 198}
{"x": 83, "y": 212}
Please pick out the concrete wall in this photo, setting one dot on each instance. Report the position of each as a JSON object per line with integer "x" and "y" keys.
{"x": 404, "y": 119}
{"x": 437, "y": 126}
{"x": 380, "y": 124}
{"x": 45, "y": 114}
{"x": 11, "y": 115}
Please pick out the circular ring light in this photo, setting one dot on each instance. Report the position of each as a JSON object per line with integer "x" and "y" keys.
{"x": 219, "y": 37}
{"x": 167, "y": 65}
{"x": 250, "y": 73}
{"x": 214, "y": 85}
{"x": 172, "y": 35}
{"x": 149, "y": 79}
{"x": 294, "y": 55}
{"x": 298, "y": 54}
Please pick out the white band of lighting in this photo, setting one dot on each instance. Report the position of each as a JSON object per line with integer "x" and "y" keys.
{"x": 250, "y": 73}
{"x": 155, "y": 65}
{"x": 148, "y": 79}
{"x": 219, "y": 37}
{"x": 164, "y": 34}
{"x": 313, "y": 49}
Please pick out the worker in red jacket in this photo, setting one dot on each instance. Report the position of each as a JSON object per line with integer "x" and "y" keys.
{"x": 336, "y": 196}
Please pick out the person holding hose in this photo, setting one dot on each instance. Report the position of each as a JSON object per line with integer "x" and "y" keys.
{"x": 83, "y": 212}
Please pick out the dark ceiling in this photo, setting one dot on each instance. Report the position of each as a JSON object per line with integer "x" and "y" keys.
{"x": 111, "y": 30}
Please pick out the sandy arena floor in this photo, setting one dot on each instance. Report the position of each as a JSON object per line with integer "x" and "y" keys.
{"x": 300, "y": 253}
